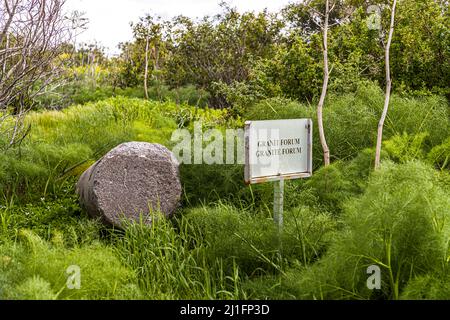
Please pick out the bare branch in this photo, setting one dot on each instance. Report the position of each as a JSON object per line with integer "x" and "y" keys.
{"x": 33, "y": 35}
{"x": 388, "y": 88}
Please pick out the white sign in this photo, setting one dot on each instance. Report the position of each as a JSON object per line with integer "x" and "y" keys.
{"x": 278, "y": 149}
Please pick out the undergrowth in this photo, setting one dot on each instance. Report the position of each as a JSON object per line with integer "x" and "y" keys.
{"x": 222, "y": 243}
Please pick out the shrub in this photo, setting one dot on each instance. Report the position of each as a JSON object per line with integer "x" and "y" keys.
{"x": 277, "y": 108}
{"x": 34, "y": 288}
{"x": 252, "y": 241}
{"x": 330, "y": 187}
{"x": 36, "y": 269}
{"x": 428, "y": 287}
{"x": 351, "y": 119}
{"x": 326, "y": 190}
{"x": 84, "y": 92}
{"x": 420, "y": 115}
{"x": 440, "y": 155}
{"x": 208, "y": 184}
{"x": 404, "y": 148}
{"x": 401, "y": 224}
{"x": 56, "y": 214}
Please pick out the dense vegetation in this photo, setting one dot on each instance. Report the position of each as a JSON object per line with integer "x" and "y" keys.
{"x": 236, "y": 58}
{"x": 222, "y": 243}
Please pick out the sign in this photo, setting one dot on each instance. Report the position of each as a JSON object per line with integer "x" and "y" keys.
{"x": 278, "y": 150}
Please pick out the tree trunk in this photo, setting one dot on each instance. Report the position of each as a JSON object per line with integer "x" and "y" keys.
{"x": 93, "y": 67}
{"x": 326, "y": 76}
{"x": 147, "y": 45}
{"x": 388, "y": 90}
{"x": 156, "y": 69}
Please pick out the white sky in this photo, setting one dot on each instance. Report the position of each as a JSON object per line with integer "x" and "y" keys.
{"x": 109, "y": 20}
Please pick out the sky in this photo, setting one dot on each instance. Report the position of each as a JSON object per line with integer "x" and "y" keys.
{"x": 109, "y": 20}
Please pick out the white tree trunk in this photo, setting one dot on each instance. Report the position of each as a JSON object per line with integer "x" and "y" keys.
{"x": 388, "y": 89}
{"x": 326, "y": 76}
{"x": 147, "y": 48}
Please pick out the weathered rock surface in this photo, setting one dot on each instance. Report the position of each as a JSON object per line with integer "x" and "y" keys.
{"x": 129, "y": 182}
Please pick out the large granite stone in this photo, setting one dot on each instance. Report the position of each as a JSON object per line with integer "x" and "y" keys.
{"x": 131, "y": 181}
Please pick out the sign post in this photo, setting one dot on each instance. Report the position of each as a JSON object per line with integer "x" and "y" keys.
{"x": 278, "y": 202}
{"x": 275, "y": 151}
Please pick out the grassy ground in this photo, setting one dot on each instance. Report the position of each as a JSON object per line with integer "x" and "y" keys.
{"x": 223, "y": 244}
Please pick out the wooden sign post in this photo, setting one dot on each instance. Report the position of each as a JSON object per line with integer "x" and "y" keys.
{"x": 275, "y": 151}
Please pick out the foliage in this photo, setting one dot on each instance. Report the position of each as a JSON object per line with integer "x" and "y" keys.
{"x": 419, "y": 49}
{"x": 34, "y": 269}
{"x": 399, "y": 224}
{"x": 251, "y": 241}
{"x": 428, "y": 287}
{"x": 405, "y": 148}
{"x": 440, "y": 155}
{"x": 222, "y": 243}
{"x": 168, "y": 267}
{"x": 235, "y": 59}
{"x": 349, "y": 118}
{"x": 59, "y": 214}
{"x": 63, "y": 142}
{"x": 219, "y": 49}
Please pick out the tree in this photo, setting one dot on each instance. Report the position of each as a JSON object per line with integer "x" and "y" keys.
{"x": 220, "y": 50}
{"x": 302, "y": 18}
{"x": 388, "y": 88}
{"x": 33, "y": 37}
{"x": 150, "y": 31}
{"x": 316, "y": 17}
{"x": 326, "y": 77}
{"x": 311, "y": 17}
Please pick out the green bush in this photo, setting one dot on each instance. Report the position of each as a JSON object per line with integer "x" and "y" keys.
{"x": 326, "y": 190}
{"x": 401, "y": 224}
{"x": 224, "y": 244}
{"x": 51, "y": 216}
{"x": 84, "y": 92}
{"x": 330, "y": 187}
{"x": 34, "y": 288}
{"x": 404, "y": 148}
{"x": 252, "y": 241}
{"x": 208, "y": 184}
{"x": 440, "y": 155}
{"x": 36, "y": 269}
{"x": 428, "y": 287}
{"x": 419, "y": 115}
{"x": 277, "y": 108}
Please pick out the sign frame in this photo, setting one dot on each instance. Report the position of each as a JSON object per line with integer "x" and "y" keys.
{"x": 291, "y": 176}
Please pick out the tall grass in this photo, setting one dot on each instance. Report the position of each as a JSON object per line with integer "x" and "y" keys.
{"x": 252, "y": 241}
{"x": 62, "y": 144}
{"x": 401, "y": 224}
{"x": 170, "y": 266}
{"x": 84, "y": 92}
